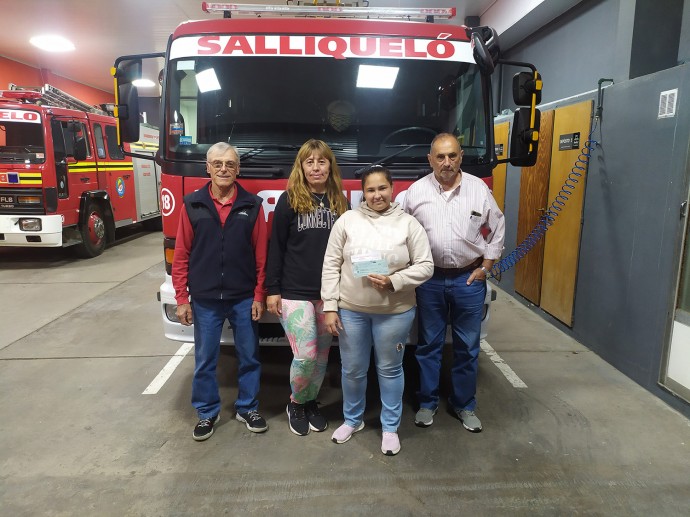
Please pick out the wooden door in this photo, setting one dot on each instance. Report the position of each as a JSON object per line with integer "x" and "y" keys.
{"x": 499, "y": 174}
{"x": 562, "y": 242}
{"x": 534, "y": 189}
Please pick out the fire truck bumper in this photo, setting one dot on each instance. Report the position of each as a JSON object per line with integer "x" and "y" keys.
{"x": 31, "y": 230}
{"x": 172, "y": 328}
{"x": 270, "y": 331}
{"x": 269, "y": 327}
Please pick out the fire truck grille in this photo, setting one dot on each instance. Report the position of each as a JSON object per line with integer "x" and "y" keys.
{"x": 12, "y": 201}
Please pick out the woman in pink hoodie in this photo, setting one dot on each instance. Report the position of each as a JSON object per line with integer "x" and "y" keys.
{"x": 376, "y": 256}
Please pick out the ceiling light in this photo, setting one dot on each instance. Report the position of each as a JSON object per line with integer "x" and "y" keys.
{"x": 143, "y": 83}
{"x": 370, "y": 76}
{"x": 207, "y": 81}
{"x": 52, "y": 43}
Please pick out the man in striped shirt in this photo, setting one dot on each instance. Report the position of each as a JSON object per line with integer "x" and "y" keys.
{"x": 466, "y": 232}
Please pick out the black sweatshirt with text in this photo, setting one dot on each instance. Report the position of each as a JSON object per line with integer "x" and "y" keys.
{"x": 296, "y": 250}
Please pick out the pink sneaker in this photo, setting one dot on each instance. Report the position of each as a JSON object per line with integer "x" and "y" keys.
{"x": 390, "y": 444}
{"x": 345, "y": 432}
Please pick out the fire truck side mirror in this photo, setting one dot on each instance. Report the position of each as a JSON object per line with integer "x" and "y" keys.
{"x": 524, "y": 138}
{"x": 526, "y": 84}
{"x": 485, "y": 48}
{"x": 128, "y": 114}
{"x": 126, "y": 71}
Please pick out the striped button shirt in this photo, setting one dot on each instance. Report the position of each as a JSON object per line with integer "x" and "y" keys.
{"x": 462, "y": 224}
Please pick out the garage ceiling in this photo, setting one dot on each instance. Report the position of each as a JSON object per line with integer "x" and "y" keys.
{"x": 105, "y": 29}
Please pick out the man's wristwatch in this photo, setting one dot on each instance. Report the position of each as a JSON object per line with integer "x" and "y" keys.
{"x": 486, "y": 271}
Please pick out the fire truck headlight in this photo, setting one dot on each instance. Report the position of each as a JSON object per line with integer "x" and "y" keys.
{"x": 170, "y": 312}
{"x": 30, "y": 224}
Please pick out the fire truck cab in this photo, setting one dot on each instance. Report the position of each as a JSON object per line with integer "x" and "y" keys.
{"x": 266, "y": 78}
{"x": 64, "y": 180}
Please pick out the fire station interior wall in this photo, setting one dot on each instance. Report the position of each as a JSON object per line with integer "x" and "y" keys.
{"x": 637, "y": 179}
{"x": 573, "y": 52}
{"x": 656, "y": 36}
{"x": 24, "y": 75}
{"x": 603, "y": 39}
{"x": 637, "y": 182}
{"x": 684, "y": 44}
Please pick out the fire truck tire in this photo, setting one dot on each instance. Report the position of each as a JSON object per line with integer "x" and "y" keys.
{"x": 93, "y": 233}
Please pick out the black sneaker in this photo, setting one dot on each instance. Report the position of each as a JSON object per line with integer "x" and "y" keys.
{"x": 204, "y": 429}
{"x": 254, "y": 421}
{"x": 317, "y": 422}
{"x": 297, "y": 418}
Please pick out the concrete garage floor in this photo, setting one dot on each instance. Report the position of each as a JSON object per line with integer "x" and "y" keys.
{"x": 80, "y": 340}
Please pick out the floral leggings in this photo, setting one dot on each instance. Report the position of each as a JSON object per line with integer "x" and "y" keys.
{"x": 305, "y": 329}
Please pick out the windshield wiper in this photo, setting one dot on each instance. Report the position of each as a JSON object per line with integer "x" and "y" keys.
{"x": 256, "y": 150}
{"x": 387, "y": 159}
{"x": 11, "y": 158}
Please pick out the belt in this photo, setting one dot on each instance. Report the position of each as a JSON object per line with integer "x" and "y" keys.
{"x": 455, "y": 271}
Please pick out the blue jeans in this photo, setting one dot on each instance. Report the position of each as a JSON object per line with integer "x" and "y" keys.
{"x": 209, "y": 317}
{"x": 439, "y": 298}
{"x": 387, "y": 333}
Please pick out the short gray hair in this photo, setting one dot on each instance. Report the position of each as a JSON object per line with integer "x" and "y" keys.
{"x": 222, "y": 148}
{"x": 443, "y": 135}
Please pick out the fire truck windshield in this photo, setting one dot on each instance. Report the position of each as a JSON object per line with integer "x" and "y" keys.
{"x": 21, "y": 142}
{"x": 268, "y": 106}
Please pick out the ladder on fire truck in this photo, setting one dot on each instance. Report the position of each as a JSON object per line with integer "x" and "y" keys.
{"x": 53, "y": 96}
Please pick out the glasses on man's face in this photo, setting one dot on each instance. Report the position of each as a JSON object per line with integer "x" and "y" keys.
{"x": 218, "y": 165}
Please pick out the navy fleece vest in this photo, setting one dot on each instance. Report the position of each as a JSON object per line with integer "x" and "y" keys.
{"x": 222, "y": 265}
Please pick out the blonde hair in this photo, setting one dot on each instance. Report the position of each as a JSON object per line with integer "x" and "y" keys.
{"x": 300, "y": 196}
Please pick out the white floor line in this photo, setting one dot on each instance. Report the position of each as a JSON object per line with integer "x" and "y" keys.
{"x": 168, "y": 369}
{"x": 506, "y": 370}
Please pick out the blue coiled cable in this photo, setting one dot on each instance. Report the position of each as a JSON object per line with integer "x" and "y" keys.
{"x": 549, "y": 216}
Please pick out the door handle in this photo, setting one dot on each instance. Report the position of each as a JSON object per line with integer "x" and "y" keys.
{"x": 84, "y": 179}
{"x": 127, "y": 176}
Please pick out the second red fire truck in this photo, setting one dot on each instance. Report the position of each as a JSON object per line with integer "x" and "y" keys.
{"x": 64, "y": 180}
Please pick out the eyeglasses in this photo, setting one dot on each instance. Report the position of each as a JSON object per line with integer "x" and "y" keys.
{"x": 218, "y": 165}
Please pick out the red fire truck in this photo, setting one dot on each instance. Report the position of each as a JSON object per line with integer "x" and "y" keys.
{"x": 267, "y": 78}
{"x": 64, "y": 180}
